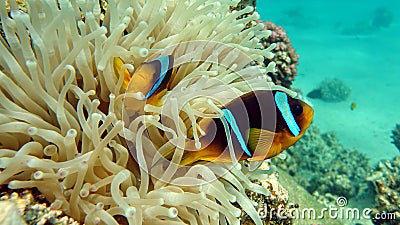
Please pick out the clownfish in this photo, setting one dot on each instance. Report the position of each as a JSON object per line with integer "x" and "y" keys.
{"x": 148, "y": 84}
{"x": 261, "y": 124}
{"x": 149, "y": 77}
{"x": 255, "y": 134}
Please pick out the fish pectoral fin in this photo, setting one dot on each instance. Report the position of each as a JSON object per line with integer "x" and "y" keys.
{"x": 261, "y": 142}
{"x": 259, "y": 138}
{"x": 273, "y": 151}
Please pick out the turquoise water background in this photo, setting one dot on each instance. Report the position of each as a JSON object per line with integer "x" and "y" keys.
{"x": 339, "y": 39}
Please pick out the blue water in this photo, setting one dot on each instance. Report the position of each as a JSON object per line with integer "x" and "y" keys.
{"x": 339, "y": 39}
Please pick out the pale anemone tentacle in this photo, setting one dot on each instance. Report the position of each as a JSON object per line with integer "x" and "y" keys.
{"x": 61, "y": 102}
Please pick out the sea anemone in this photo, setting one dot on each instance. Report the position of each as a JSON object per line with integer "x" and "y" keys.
{"x": 62, "y": 129}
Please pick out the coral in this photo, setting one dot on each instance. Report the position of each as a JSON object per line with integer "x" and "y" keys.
{"x": 62, "y": 129}
{"x": 383, "y": 17}
{"x": 285, "y": 56}
{"x": 331, "y": 90}
{"x": 380, "y": 18}
{"x": 321, "y": 164}
{"x": 9, "y": 214}
{"x": 268, "y": 206}
{"x": 34, "y": 210}
{"x": 386, "y": 179}
{"x": 243, "y": 4}
{"x": 396, "y": 136}
{"x": 21, "y": 4}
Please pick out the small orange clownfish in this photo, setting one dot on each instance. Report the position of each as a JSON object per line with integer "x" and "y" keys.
{"x": 148, "y": 84}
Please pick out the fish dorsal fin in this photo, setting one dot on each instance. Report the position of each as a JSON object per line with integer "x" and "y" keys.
{"x": 165, "y": 64}
{"x": 281, "y": 101}
{"x": 232, "y": 122}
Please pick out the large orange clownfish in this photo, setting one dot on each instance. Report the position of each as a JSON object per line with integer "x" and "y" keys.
{"x": 261, "y": 123}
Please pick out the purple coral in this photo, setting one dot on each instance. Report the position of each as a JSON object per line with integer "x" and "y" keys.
{"x": 285, "y": 57}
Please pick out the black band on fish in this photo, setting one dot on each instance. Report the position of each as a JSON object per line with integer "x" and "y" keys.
{"x": 281, "y": 101}
{"x": 232, "y": 122}
{"x": 165, "y": 65}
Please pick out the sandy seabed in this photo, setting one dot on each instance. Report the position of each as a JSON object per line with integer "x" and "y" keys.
{"x": 337, "y": 40}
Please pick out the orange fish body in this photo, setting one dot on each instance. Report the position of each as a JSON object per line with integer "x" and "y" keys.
{"x": 266, "y": 137}
{"x": 147, "y": 85}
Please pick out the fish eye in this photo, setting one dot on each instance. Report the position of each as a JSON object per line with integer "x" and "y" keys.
{"x": 297, "y": 110}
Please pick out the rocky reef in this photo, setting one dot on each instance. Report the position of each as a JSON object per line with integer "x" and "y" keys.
{"x": 331, "y": 90}
{"x": 396, "y": 136}
{"x": 267, "y": 206}
{"x": 386, "y": 179}
{"x": 325, "y": 168}
{"x": 379, "y": 18}
{"x": 29, "y": 206}
{"x": 383, "y": 17}
{"x": 285, "y": 56}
